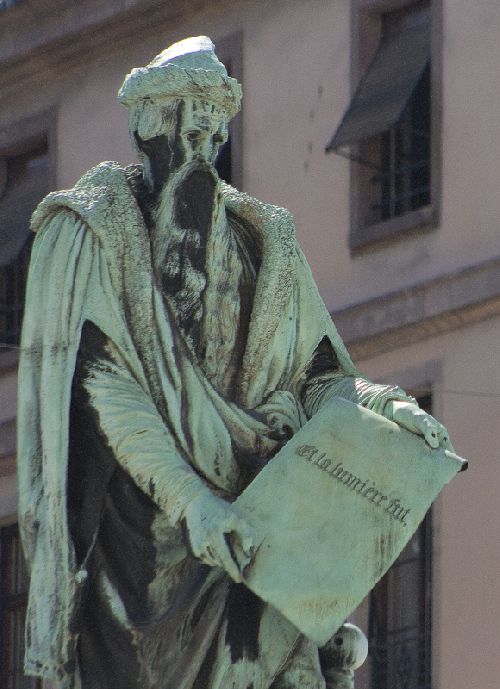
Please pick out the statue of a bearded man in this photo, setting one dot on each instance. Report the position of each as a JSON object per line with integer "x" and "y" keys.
{"x": 173, "y": 341}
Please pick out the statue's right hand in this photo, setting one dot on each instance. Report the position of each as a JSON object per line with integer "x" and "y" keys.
{"x": 218, "y": 534}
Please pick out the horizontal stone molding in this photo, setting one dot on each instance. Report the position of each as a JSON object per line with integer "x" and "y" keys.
{"x": 62, "y": 34}
{"x": 415, "y": 313}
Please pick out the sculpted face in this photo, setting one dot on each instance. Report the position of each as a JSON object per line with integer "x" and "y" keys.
{"x": 183, "y": 140}
{"x": 203, "y": 129}
{"x": 188, "y": 133}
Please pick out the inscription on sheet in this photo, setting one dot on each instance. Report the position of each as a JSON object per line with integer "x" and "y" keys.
{"x": 364, "y": 488}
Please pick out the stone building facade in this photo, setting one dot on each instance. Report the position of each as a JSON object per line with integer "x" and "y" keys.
{"x": 398, "y": 221}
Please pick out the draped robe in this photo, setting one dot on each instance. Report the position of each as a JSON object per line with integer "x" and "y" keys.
{"x": 102, "y": 496}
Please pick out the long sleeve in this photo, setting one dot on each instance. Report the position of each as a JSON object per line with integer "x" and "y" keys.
{"x": 132, "y": 427}
{"x": 326, "y": 380}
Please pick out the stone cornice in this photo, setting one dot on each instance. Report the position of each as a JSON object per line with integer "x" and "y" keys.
{"x": 424, "y": 310}
{"x": 38, "y": 34}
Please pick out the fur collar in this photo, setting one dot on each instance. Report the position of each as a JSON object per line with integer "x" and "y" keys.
{"x": 276, "y": 235}
{"x": 104, "y": 199}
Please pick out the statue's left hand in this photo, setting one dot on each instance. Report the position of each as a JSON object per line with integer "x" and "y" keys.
{"x": 410, "y": 416}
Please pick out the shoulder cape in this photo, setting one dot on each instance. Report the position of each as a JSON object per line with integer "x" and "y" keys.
{"x": 99, "y": 268}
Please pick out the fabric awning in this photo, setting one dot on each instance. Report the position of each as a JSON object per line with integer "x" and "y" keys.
{"x": 387, "y": 86}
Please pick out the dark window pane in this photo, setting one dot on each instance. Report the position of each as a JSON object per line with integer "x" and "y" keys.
{"x": 25, "y": 180}
{"x": 13, "y": 598}
{"x": 389, "y": 82}
{"x": 387, "y": 127}
{"x": 12, "y": 287}
{"x": 404, "y": 180}
{"x": 399, "y": 632}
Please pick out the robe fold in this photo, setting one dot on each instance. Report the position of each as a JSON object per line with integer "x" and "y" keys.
{"x": 171, "y": 432}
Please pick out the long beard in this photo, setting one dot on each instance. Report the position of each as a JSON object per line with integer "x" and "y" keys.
{"x": 197, "y": 264}
{"x": 188, "y": 207}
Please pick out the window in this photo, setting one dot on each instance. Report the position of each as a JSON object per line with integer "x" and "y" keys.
{"x": 399, "y": 615}
{"x": 229, "y": 160}
{"x": 13, "y": 599}
{"x": 399, "y": 633}
{"x": 388, "y": 130}
{"x": 403, "y": 183}
{"x": 24, "y": 181}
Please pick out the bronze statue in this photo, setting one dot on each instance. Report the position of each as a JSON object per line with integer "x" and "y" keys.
{"x": 173, "y": 341}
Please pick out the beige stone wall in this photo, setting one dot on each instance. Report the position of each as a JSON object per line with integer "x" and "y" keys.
{"x": 296, "y": 62}
{"x": 466, "y": 561}
{"x": 296, "y": 67}
{"x": 296, "y": 87}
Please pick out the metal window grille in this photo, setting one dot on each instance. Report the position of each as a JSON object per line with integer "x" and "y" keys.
{"x": 404, "y": 180}
{"x": 13, "y": 598}
{"x": 387, "y": 126}
{"x": 399, "y": 629}
{"x": 399, "y": 633}
{"x": 12, "y": 288}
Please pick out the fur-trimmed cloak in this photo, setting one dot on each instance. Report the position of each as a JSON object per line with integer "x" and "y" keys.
{"x": 91, "y": 262}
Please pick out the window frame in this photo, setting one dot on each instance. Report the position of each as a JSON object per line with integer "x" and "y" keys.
{"x": 16, "y": 139}
{"x": 383, "y": 594}
{"x": 423, "y": 380}
{"x": 366, "y": 25}
{"x": 10, "y": 601}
